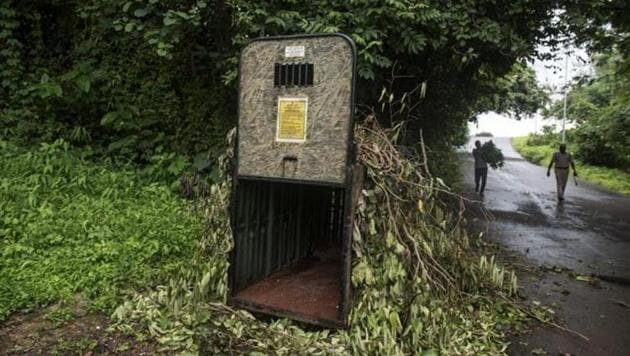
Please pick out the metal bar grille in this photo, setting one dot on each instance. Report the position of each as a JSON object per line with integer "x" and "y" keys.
{"x": 293, "y": 74}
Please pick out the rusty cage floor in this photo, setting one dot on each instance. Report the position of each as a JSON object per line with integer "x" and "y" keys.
{"x": 311, "y": 288}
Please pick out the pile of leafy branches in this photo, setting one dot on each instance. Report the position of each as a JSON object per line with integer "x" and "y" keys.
{"x": 419, "y": 286}
{"x": 492, "y": 155}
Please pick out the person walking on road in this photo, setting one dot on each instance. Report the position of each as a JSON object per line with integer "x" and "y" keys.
{"x": 561, "y": 160}
{"x": 481, "y": 168}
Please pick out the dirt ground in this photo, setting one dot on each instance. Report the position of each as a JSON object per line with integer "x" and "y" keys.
{"x": 66, "y": 330}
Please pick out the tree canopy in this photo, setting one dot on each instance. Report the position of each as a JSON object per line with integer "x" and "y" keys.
{"x": 600, "y": 108}
{"x": 144, "y": 77}
{"x": 599, "y": 104}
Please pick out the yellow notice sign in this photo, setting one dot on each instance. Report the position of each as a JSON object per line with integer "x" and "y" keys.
{"x": 292, "y": 114}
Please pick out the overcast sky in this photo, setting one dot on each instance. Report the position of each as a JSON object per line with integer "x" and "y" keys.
{"x": 549, "y": 73}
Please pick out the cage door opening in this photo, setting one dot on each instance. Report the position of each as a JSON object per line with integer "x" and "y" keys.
{"x": 288, "y": 258}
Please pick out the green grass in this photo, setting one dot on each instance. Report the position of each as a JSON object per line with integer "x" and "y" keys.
{"x": 69, "y": 226}
{"x": 610, "y": 178}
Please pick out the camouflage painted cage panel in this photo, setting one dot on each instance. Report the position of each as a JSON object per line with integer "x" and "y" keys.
{"x": 323, "y": 156}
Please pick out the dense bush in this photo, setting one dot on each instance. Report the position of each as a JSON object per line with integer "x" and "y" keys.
{"x": 536, "y": 149}
{"x": 71, "y": 227}
{"x": 605, "y": 139}
{"x": 492, "y": 154}
{"x": 98, "y": 73}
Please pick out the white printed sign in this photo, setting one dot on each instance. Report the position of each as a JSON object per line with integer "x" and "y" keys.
{"x": 293, "y": 51}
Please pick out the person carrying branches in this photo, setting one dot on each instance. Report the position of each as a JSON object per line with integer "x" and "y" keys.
{"x": 562, "y": 159}
{"x": 481, "y": 168}
{"x": 485, "y": 155}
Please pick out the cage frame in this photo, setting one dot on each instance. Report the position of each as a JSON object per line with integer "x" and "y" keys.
{"x": 353, "y": 179}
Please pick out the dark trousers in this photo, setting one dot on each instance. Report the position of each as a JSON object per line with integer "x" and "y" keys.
{"x": 480, "y": 174}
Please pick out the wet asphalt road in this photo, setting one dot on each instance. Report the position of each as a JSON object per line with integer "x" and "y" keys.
{"x": 588, "y": 233}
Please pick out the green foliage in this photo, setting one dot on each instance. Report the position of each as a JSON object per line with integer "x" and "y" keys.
{"x": 398, "y": 109}
{"x": 419, "y": 287}
{"x": 538, "y": 149}
{"x": 600, "y": 105}
{"x": 535, "y": 149}
{"x": 70, "y": 227}
{"x": 601, "y": 25}
{"x": 549, "y": 136}
{"x": 600, "y": 108}
{"x": 444, "y": 163}
{"x": 81, "y": 346}
{"x": 59, "y": 316}
{"x": 137, "y": 78}
{"x": 517, "y": 93}
{"x": 132, "y": 78}
{"x": 457, "y": 50}
{"x": 189, "y": 306}
{"x": 492, "y": 154}
{"x": 11, "y": 69}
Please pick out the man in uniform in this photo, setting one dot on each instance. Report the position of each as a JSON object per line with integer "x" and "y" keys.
{"x": 481, "y": 168}
{"x": 562, "y": 160}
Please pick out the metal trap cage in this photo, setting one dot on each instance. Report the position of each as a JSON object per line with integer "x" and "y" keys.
{"x": 292, "y": 199}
